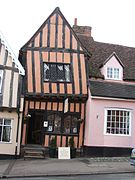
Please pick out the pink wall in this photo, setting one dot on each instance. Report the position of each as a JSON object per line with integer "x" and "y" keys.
{"x": 94, "y": 130}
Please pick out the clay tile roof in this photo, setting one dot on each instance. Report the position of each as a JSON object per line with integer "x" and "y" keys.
{"x": 101, "y": 51}
{"x": 111, "y": 89}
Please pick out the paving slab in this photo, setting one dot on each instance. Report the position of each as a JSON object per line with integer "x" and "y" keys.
{"x": 55, "y": 167}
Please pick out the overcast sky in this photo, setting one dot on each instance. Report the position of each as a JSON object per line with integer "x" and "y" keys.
{"x": 112, "y": 21}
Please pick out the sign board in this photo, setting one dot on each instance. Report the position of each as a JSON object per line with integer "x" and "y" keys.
{"x": 63, "y": 152}
{"x": 66, "y": 105}
{"x": 45, "y": 123}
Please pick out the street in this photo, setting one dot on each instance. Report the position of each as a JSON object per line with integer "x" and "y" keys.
{"x": 123, "y": 176}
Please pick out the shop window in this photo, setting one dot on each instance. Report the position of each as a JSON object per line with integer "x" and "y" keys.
{"x": 57, "y": 72}
{"x": 5, "y": 130}
{"x": 70, "y": 125}
{"x": 54, "y": 123}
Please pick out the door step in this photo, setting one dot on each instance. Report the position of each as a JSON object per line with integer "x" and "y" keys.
{"x": 33, "y": 152}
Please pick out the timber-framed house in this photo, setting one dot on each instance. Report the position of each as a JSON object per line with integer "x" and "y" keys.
{"x": 11, "y": 103}
{"x": 55, "y": 85}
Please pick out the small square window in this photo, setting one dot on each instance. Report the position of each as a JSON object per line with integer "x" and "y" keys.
{"x": 113, "y": 73}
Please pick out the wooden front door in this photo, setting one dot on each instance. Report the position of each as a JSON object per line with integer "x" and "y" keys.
{"x": 35, "y": 128}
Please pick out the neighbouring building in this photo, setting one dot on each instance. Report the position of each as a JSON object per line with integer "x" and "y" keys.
{"x": 55, "y": 86}
{"x": 11, "y": 104}
{"x": 110, "y": 114}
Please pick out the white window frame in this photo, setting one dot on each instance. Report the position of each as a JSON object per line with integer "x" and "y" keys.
{"x": 105, "y": 121}
{"x": 1, "y": 79}
{"x": 10, "y": 130}
{"x": 113, "y": 73}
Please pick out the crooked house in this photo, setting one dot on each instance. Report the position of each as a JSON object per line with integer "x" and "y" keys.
{"x": 55, "y": 86}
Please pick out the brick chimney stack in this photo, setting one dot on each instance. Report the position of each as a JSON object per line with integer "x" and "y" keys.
{"x": 81, "y": 30}
{"x": 75, "y": 22}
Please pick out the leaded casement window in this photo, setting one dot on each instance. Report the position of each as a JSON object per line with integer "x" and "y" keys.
{"x": 1, "y": 79}
{"x": 57, "y": 72}
{"x": 117, "y": 121}
{"x": 113, "y": 73}
{"x": 70, "y": 125}
{"x": 5, "y": 130}
{"x": 54, "y": 123}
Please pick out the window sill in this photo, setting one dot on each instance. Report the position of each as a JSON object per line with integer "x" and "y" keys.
{"x": 121, "y": 135}
{"x": 5, "y": 142}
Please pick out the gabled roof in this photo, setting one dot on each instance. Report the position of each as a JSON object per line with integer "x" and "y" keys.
{"x": 57, "y": 10}
{"x": 112, "y": 89}
{"x": 101, "y": 51}
{"x": 11, "y": 53}
{"x": 115, "y": 55}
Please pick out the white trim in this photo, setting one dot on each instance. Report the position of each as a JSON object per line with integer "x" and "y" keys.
{"x": 113, "y": 99}
{"x": 118, "y": 59}
{"x": 105, "y": 121}
{"x": 11, "y": 53}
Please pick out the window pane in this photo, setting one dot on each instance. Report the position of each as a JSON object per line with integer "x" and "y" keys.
{"x": 57, "y": 124}
{"x": 46, "y": 72}
{"x": 67, "y": 124}
{"x": 74, "y": 128}
{"x": 53, "y": 72}
{"x": 7, "y": 122}
{"x": 1, "y": 121}
{"x": 67, "y": 72}
{"x": 6, "y": 133}
{"x": 60, "y": 72}
{"x": 109, "y": 72}
{"x": 50, "y": 119}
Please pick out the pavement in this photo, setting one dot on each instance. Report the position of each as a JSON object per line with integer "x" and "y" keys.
{"x": 16, "y": 168}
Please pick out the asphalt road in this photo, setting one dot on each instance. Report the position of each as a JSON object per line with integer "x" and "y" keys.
{"x": 126, "y": 176}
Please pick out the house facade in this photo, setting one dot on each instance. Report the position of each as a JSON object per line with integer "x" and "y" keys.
{"x": 11, "y": 104}
{"x": 55, "y": 86}
{"x": 110, "y": 110}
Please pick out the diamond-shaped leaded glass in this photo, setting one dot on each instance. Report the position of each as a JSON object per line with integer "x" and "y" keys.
{"x": 67, "y": 72}
{"x": 46, "y": 72}
{"x": 53, "y": 72}
{"x": 60, "y": 72}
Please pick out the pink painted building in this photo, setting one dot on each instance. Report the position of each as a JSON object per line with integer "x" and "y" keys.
{"x": 110, "y": 109}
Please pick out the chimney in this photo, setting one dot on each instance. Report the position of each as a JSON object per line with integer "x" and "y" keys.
{"x": 81, "y": 30}
{"x": 75, "y": 22}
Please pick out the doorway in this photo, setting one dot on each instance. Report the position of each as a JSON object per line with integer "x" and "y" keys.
{"x": 35, "y": 128}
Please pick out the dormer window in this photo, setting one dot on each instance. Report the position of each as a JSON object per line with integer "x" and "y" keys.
{"x": 113, "y": 73}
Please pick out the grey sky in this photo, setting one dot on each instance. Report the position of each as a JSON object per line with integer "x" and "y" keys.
{"x": 112, "y": 21}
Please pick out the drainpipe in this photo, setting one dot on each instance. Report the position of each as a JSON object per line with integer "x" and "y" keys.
{"x": 18, "y": 113}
